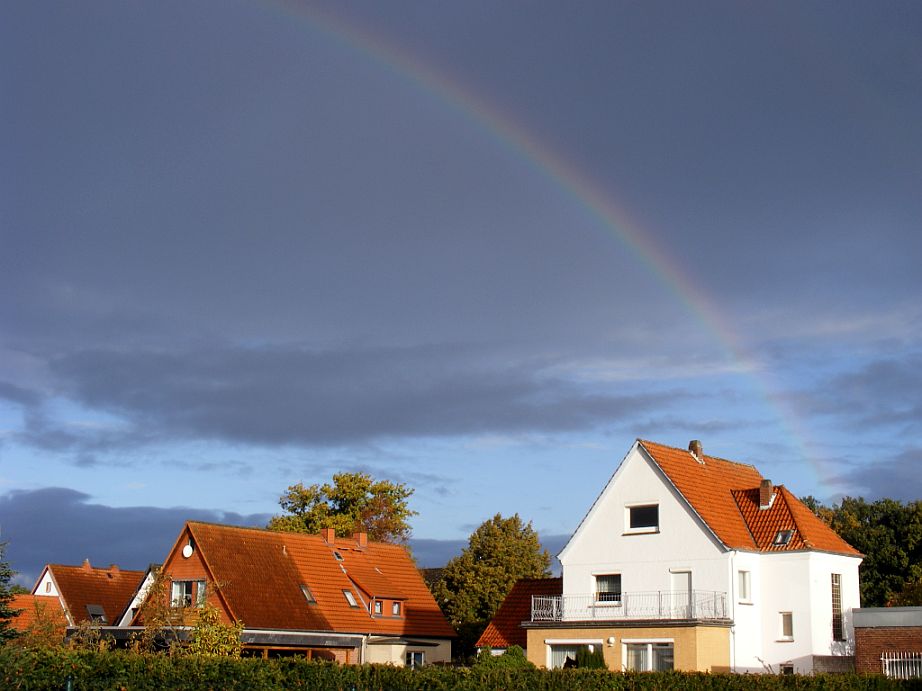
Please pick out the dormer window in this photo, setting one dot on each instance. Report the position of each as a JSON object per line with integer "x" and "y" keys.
{"x": 379, "y": 607}
{"x": 782, "y": 538}
{"x": 395, "y": 609}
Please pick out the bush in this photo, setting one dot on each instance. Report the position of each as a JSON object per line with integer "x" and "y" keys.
{"x": 512, "y": 658}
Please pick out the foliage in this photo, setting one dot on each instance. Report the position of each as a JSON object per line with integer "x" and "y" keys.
{"x": 909, "y": 596}
{"x": 512, "y": 658}
{"x": 590, "y": 659}
{"x": 29, "y": 670}
{"x": 159, "y": 618}
{"x": 888, "y": 533}
{"x": 7, "y": 613}
{"x": 88, "y": 637}
{"x": 474, "y": 584}
{"x": 47, "y": 627}
{"x": 354, "y": 502}
{"x": 211, "y": 636}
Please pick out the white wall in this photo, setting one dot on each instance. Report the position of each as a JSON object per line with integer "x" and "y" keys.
{"x": 746, "y": 636}
{"x": 45, "y": 585}
{"x": 643, "y": 560}
{"x": 395, "y": 654}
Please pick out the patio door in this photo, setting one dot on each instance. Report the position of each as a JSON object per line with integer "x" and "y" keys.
{"x": 682, "y": 605}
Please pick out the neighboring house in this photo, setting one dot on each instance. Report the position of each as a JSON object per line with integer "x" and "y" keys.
{"x": 40, "y": 616}
{"x": 321, "y": 596}
{"x": 87, "y": 593}
{"x": 888, "y": 640}
{"x": 505, "y": 629}
{"x": 691, "y": 562}
{"x": 137, "y": 599}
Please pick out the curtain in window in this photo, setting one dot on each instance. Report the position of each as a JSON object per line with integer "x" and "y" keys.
{"x": 663, "y": 657}
{"x": 560, "y": 653}
{"x": 637, "y": 660}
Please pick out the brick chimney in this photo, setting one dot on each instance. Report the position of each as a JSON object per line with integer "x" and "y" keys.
{"x": 361, "y": 539}
{"x": 328, "y": 535}
{"x": 765, "y": 494}
{"x": 113, "y": 569}
{"x": 694, "y": 446}
{"x": 86, "y": 566}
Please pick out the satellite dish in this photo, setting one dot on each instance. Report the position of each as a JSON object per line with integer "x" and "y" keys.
{"x": 187, "y": 550}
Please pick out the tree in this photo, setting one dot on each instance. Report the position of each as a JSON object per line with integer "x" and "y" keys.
{"x": 211, "y": 636}
{"x": 888, "y": 533}
{"x": 7, "y": 613}
{"x": 354, "y": 502}
{"x": 474, "y": 584}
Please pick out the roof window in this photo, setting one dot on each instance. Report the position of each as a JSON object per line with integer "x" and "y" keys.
{"x": 308, "y": 595}
{"x": 97, "y": 614}
{"x": 350, "y": 598}
{"x": 782, "y": 538}
{"x": 337, "y": 555}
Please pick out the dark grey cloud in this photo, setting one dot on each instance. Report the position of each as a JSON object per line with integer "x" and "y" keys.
{"x": 896, "y": 476}
{"x": 61, "y": 526}
{"x": 19, "y": 395}
{"x": 279, "y": 396}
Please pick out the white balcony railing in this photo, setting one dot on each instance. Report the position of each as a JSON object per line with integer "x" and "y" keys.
{"x": 664, "y": 604}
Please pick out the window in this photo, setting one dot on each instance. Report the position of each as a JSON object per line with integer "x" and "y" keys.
{"x": 47, "y": 586}
{"x": 837, "y": 633}
{"x": 415, "y": 658}
{"x": 187, "y": 593}
{"x": 395, "y": 609}
{"x": 787, "y": 669}
{"x": 308, "y": 595}
{"x": 744, "y": 586}
{"x": 560, "y": 654}
{"x": 608, "y": 588}
{"x": 97, "y": 614}
{"x": 643, "y": 519}
{"x": 649, "y": 656}
{"x": 783, "y": 537}
{"x": 350, "y": 598}
{"x": 379, "y": 607}
{"x": 337, "y": 555}
{"x": 787, "y": 626}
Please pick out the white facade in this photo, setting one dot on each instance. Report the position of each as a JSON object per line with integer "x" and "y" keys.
{"x": 781, "y": 607}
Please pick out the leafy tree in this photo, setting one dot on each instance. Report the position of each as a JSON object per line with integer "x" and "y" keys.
{"x": 47, "y": 627}
{"x": 888, "y": 533}
{"x": 590, "y": 659}
{"x": 211, "y": 636}
{"x": 909, "y": 596}
{"x": 7, "y": 613}
{"x": 474, "y": 584}
{"x": 354, "y": 502}
{"x": 512, "y": 658}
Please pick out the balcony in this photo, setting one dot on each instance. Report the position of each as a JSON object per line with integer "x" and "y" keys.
{"x": 697, "y": 605}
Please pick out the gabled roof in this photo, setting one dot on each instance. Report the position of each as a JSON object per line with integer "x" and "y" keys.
{"x": 34, "y": 607}
{"x": 82, "y": 586}
{"x": 259, "y": 574}
{"x": 725, "y": 495}
{"x": 505, "y": 628}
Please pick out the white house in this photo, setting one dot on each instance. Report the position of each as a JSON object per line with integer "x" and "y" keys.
{"x": 691, "y": 562}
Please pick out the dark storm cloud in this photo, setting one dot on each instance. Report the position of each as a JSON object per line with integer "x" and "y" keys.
{"x": 895, "y": 476}
{"x": 59, "y": 525}
{"x": 290, "y": 396}
{"x": 19, "y": 395}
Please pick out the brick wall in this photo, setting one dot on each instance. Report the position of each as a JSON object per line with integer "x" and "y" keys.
{"x": 870, "y": 643}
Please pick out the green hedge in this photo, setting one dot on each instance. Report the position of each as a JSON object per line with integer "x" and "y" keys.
{"x": 51, "y": 669}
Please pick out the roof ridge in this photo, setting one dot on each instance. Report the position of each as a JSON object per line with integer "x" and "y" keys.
{"x": 713, "y": 458}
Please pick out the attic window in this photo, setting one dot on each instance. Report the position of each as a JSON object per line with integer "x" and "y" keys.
{"x": 308, "y": 595}
{"x": 350, "y": 598}
{"x": 97, "y": 614}
{"x": 337, "y": 555}
{"x": 643, "y": 518}
{"x": 782, "y": 538}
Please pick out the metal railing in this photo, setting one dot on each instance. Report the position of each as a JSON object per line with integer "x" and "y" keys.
{"x": 658, "y": 604}
{"x": 901, "y": 665}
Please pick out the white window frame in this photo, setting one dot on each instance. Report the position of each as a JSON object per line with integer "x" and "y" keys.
{"x": 649, "y": 642}
{"x": 590, "y": 643}
{"x": 605, "y": 602}
{"x": 350, "y": 598}
{"x": 410, "y": 657}
{"x": 744, "y": 586}
{"x": 789, "y": 617}
{"x": 196, "y": 596}
{"x": 628, "y": 530}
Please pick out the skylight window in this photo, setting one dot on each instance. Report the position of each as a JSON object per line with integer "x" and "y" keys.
{"x": 337, "y": 555}
{"x": 308, "y": 595}
{"x": 783, "y": 537}
{"x": 350, "y": 598}
{"x": 97, "y": 614}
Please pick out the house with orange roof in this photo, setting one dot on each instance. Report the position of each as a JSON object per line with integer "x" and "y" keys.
{"x": 87, "y": 593}
{"x": 321, "y": 596}
{"x": 505, "y": 628}
{"x": 42, "y": 617}
{"x": 692, "y": 562}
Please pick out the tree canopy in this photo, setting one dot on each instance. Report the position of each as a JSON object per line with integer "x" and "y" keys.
{"x": 474, "y": 584}
{"x": 889, "y": 534}
{"x": 354, "y": 502}
{"x": 7, "y": 613}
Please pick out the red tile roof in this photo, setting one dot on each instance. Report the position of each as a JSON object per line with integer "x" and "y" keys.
{"x": 504, "y": 629}
{"x": 112, "y": 589}
{"x": 33, "y": 607}
{"x": 259, "y": 574}
{"x": 725, "y": 494}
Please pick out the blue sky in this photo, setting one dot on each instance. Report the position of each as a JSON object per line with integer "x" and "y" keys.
{"x": 475, "y": 247}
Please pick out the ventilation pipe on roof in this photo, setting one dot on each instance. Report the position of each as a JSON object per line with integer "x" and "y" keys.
{"x": 361, "y": 539}
{"x": 328, "y": 535}
{"x": 765, "y": 494}
{"x": 694, "y": 446}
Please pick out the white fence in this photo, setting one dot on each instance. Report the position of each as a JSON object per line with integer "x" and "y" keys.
{"x": 664, "y": 604}
{"x": 902, "y": 665}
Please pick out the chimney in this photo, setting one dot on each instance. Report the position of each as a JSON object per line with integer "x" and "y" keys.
{"x": 86, "y": 565}
{"x": 765, "y": 494}
{"x": 361, "y": 539}
{"x": 328, "y": 535}
{"x": 113, "y": 569}
{"x": 696, "y": 450}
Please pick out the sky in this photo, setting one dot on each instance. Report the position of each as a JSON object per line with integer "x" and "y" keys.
{"x": 474, "y": 247}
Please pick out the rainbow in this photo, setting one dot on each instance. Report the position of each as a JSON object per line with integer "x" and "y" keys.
{"x": 611, "y": 215}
